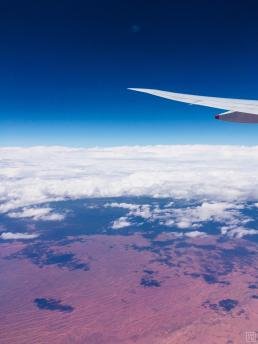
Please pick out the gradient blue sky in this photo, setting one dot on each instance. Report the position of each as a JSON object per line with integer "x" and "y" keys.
{"x": 65, "y": 66}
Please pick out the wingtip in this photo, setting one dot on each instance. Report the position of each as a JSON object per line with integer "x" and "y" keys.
{"x": 133, "y": 89}
{"x": 144, "y": 90}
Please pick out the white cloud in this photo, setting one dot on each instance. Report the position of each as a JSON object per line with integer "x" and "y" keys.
{"x": 91, "y": 206}
{"x": 169, "y": 204}
{"x": 36, "y": 213}
{"x": 123, "y": 205}
{"x": 186, "y": 217}
{"x": 140, "y": 210}
{"x": 195, "y": 234}
{"x": 228, "y": 214}
{"x": 207, "y": 211}
{"x": 168, "y": 222}
{"x": 237, "y": 232}
{"x": 183, "y": 224}
{"x": 17, "y": 236}
{"x": 121, "y": 223}
{"x": 30, "y": 176}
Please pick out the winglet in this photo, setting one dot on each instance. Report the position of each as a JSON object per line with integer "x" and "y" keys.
{"x": 135, "y": 89}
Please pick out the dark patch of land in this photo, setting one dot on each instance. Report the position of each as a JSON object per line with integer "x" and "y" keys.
{"x": 41, "y": 255}
{"x": 150, "y": 282}
{"x": 228, "y": 304}
{"x": 52, "y": 305}
{"x": 225, "y": 305}
{"x": 149, "y": 272}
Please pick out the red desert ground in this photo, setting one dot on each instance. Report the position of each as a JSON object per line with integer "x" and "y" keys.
{"x": 133, "y": 292}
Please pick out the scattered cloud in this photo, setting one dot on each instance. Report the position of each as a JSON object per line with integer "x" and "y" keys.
{"x": 17, "y": 236}
{"x": 181, "y": 224}
{"x": 193, "y": 217}
{"x": 195, "y": 234}
{"x": 121, "y": 223}
{"x": 36, "y": 213}
{"x": 140, "y": 210}
{"x": 230, "y": 215}
{"x": 169, "y": 204}
{"x": 123, "y": 205}
{"x": 237, "y": 232}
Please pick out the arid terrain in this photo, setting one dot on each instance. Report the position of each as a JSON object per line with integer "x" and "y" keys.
{"x": 128, "y": 289}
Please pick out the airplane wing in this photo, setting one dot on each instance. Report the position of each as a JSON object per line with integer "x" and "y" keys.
{"x": 238, "y": 110}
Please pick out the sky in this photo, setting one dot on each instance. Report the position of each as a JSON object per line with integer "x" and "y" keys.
{"x": 65, "y": 67}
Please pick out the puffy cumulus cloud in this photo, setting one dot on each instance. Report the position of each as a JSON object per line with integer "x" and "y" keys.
{"x": 17, "y": 236}
{"x": 140, "y": 210}
{"x": 228, "y": 214}
{"x": 219, "y": 211}
{"x": 208, "y": 211}
{"x": 180, "y": 224}
{"x": 121, "y": 223}
{"x": 131, "y": 206}
{"x": 237, "y": 231}
{"x": 169, "y": 204}
{"x": 36, "y": 213}
{"x": 195, "y": 234}
{"x": 30, "y": 176}
{"x": 188, "y": 217}
{"x": 192, "y": 234}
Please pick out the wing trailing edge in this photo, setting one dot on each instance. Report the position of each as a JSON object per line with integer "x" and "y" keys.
{"x": 239, "y": 110}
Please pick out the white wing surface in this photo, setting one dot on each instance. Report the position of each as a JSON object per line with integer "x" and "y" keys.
{"x": 239, "y": 110}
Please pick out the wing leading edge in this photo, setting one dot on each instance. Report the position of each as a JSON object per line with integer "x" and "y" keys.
{"x": 239, "y": 110}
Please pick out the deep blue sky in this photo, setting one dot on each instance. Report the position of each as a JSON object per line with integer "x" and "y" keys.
{"x": 65, "y": 67}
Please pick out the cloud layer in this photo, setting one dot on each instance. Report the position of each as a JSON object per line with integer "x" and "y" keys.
{"x": 29, "y": 176}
